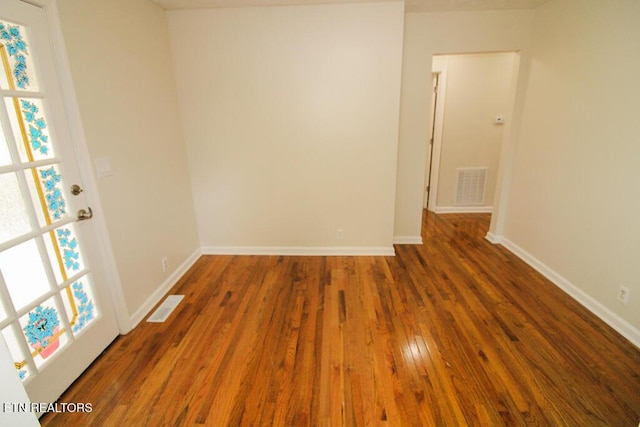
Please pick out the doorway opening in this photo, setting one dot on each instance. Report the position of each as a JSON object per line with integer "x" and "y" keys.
{"x": 472, "y": 103}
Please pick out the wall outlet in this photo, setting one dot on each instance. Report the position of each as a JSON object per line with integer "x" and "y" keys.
{"x": 623, "y": 294}
{"x": 340, "y": 234}
{"x": 165, "y": 264}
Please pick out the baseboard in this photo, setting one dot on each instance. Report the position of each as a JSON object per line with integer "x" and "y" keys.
{"x": 299, "y": 250}
{"x": 493, "y": 238}
{"x": 463, "y": 209}
{"x": 155, "y": 297}
{"x": 608, "y": 316}
{"x": 407, "y": 240}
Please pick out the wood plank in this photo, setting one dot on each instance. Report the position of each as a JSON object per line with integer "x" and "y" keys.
{"x": 452, "y": 332}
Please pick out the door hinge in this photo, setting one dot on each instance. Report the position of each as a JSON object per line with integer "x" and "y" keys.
{"x": 431, "y": 141}
{"x": 428, "y": 188}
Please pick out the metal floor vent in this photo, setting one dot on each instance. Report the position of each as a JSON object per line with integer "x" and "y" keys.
{"x": 166, "y": 308}
{"x": 471, "y": 186}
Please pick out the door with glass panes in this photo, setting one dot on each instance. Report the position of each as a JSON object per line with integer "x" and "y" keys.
{"x": 55, "y": 315}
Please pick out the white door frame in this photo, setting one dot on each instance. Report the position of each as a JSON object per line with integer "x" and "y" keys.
{"x": 79, "y": 143}
{"x": 438, "y": 118}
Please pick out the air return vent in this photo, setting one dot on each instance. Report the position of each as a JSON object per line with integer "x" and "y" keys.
{"x": 166, "y": 308}
{"x": 471, "y": 186}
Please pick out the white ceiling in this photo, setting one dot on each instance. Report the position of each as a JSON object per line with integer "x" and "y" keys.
{"x": 411, "y": 5}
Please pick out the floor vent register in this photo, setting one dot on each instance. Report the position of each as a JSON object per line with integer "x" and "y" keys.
{"x": 166, "y": 308}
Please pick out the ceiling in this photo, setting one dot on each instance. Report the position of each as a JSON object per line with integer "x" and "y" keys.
{"x": 411, "y": 5}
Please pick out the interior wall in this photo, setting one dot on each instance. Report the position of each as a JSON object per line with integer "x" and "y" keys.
{"x": 574, "y": 199}
{"x": 123, "y": 76}
{"x": 432, "y": 33}
{"x": 291, "y": 121}
{"x": 478, "y": 90}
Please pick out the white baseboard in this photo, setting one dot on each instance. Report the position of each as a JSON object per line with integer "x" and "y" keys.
{"x": 299, "y": 251}
{"x": 155, "y": 297}
{"x": 407, "y": 240}
{"x": 493, "y": 238}
{"x": 608, "y": 316}
{"x": 463, "y": 209}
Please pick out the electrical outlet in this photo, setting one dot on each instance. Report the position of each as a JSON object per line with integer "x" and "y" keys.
{"x": 623, "y": 294}
{"x": 165, "y": 264}
{"x": 340, "y": 234}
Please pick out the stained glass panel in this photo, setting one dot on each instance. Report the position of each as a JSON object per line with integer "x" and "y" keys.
{"x": 64, "y": 252}
{"x": 14, "y": 51}
{"x": 44, "y": 331}
{"x": 79, "y": 303}
{"x": 49, "y": 192}
{"x": 17, "y": 353}
{"x": 30, "y": 129}
{"x": 14, "y": 221}
{"x": 23, "y": 273}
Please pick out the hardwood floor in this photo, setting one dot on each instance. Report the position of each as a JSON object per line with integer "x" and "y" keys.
{"x": 454, "y": 332}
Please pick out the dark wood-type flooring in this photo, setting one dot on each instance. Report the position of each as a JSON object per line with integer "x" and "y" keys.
{"x": 450, "y": 333}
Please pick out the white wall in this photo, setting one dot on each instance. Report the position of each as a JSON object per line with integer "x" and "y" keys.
{"x": 121, "y": 67}
{"x": 428, "y": 34}
{"x": 291, "y": 122}
{"x": 478, "y": 88}
{"x": 574, "y": 199}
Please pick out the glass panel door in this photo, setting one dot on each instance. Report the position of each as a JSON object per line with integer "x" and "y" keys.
{"x": 54, "y": 315}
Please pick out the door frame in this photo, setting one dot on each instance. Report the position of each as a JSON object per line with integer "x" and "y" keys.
{"x": 507, "y": 144}
{"x": 431, "y": 174}
{"x": 107, "y": 268}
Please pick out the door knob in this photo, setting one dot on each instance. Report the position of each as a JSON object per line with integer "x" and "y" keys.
{"x": 84, "y": 215}
{"x": 76, "y": 189}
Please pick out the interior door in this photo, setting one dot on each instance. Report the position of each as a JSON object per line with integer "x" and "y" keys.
{"x": 55, "y": 316}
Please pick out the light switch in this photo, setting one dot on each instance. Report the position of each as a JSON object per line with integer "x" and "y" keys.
{"x": 103, "y": 167}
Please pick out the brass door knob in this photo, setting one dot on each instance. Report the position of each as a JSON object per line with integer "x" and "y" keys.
{"x": 84, "y": 215}
{"x": 76, "y": 189}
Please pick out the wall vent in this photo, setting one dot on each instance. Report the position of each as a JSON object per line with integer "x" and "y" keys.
{"x": 471, "y": 186}
{"x": 166, "y": 308}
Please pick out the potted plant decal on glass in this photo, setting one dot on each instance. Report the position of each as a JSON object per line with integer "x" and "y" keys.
{"x": 42, "y": 330}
